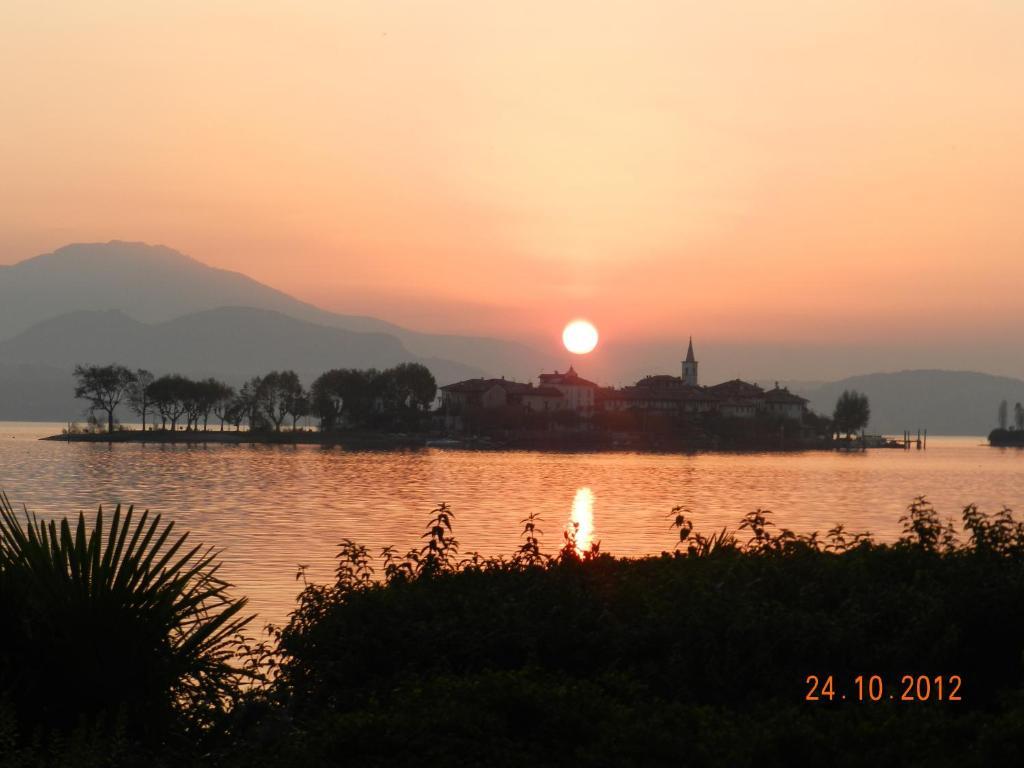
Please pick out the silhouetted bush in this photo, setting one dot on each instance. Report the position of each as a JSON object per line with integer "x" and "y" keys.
{"x": 699, "y": 656}
{"x": 115, "y": 633}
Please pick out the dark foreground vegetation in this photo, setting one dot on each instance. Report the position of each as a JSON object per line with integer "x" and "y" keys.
{"x": 700, "y": 656}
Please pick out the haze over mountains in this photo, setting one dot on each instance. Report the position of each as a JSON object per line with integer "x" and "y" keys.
{"x": 153, "y": 283}
{"x": 943, "y": 402}
{"x": 150, "y": 306}
{"x": 232, "y": 342}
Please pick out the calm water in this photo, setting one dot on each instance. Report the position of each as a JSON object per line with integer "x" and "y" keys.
{"x": 273, "y": 507}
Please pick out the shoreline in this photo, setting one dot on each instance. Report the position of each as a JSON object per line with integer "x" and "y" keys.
{"x": 544, "y": 442}
{"x": 362, "y": 439}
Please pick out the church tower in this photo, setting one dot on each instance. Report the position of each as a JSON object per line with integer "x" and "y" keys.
{"x": 690, "y": 367}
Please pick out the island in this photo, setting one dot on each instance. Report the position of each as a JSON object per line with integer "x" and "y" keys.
{"x": 1006, "y": 438}
{"x": 403, "y": 407}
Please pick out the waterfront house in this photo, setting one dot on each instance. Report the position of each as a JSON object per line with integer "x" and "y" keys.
{"x": 578, "y": 393}
{"x": 543, "y": 399}
{"x": 482, "y": 393}
{"x": 781, "y": 402}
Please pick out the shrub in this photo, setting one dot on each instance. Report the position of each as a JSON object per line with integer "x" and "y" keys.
{"x": 117, "y": 624}
{"x": 703, "y": 652}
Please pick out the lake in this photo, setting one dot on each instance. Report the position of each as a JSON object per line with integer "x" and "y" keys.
{"x": 271, "y": 508}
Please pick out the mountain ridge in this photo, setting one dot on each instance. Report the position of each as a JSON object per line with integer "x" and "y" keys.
{"x": 945, "y": 402}
{"x": 154, "y": 283}
{"x": 231, "y": 343}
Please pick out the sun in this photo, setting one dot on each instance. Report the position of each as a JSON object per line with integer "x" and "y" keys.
{"x": 579, "y": 337}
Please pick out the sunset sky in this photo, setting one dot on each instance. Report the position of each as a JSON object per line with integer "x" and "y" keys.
{"x": 807, "y": 174}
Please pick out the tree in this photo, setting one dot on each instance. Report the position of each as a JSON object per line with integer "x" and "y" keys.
{"x": 170, "y": 395}
{"x": 360, "y": 391}
{"x": 234, "y": 412}
{"x": 223, "y": 403}
{"x": 345, "y": 392}
{"x": 414, "y": 385}
{"x": 326, "y": 400}
{"x": 103, "y": 386}
{"x": 247, "y": 405}
{"x": 192, "y": 398}
{"x": 278, "y": 393}
{"x": 1018, "y": 416}
{"x": 1003, "y": 414}
{"x": 852, "y": 412}
{"x": 203, "y": 396}
{"x": 299, "y": 407}
{"x": 138, "y": 394}
{"x": 404, "y": 393}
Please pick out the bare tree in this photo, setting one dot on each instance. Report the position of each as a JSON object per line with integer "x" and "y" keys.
{"x": 1018, "y": 416}
{"x": 1003, "y": 414}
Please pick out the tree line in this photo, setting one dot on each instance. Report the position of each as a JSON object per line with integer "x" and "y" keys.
{"x": 397, "y": 396}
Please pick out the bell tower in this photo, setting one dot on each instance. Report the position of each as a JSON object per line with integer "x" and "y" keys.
{"x": 690, "y": 367}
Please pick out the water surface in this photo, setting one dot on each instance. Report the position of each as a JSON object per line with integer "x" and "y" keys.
{"x": 273, "y": 507}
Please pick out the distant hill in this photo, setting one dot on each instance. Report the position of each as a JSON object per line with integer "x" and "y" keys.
{"x": 154, "y": 284}
{"x": 943, "y": 402}
{"x": 232, "y": 343}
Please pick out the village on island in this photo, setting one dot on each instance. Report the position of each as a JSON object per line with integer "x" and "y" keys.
{"x": 402, "y": 406}
{"x": 657, "y": 411}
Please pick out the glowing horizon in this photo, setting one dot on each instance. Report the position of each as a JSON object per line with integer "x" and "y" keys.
{"x": 784, "y": 174}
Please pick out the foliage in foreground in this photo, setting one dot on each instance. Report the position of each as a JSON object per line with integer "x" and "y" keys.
{"x": 698, "y": 656}
{"x": 119, "y": 632}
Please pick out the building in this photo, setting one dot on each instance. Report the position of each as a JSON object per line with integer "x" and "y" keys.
{"x": 543, "y": 399}
{"x": 738, "y": 399}
{"x": 781, "y": 402}
{"x": 690, "y": 367}
{"x": 663, "y": 393}
{"x": 556, "y": 392}
{"x": 578, "y": 393}
{"x": 482, "y": 393}
{"x": 684, "y": 395}
{"x": 673, "y": 396}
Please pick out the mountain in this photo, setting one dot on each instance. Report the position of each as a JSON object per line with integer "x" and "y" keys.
{"x": 154, "y": 284}
{"x": 943, "y": 402}
{"x": 233, "y": 343}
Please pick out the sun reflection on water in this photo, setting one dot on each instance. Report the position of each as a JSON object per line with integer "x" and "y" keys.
{"x": 270, "y": 507}
{"x": 582, "y": 519}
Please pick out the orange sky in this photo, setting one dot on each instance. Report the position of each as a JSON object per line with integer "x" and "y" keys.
{"x": 797, "y": 172}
